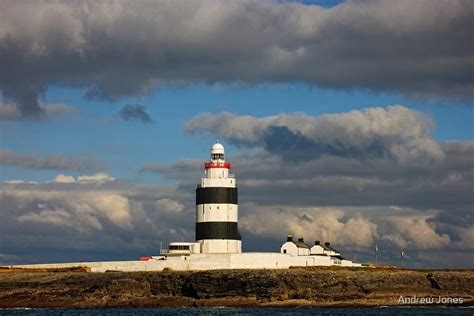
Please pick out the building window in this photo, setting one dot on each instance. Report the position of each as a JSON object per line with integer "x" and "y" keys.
{"x": 180, "y": 247}
{"x": 284, "y": 250}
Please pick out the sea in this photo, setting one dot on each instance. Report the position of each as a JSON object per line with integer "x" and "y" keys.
{"x": 226, "y": 311}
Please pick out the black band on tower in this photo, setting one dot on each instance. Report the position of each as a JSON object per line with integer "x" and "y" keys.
{"x": 217, "y": 230}
{"x": 216, "y": 195}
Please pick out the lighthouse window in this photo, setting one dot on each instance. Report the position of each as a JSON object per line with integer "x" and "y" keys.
{"x": 217, "y": 156}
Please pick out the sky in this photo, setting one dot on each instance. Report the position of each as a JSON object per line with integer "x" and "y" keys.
{"x": 345, "y": 121}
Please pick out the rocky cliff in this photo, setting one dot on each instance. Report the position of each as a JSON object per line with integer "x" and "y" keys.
{"x": 293, "y": 287}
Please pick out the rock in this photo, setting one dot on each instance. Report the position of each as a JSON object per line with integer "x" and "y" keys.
{"x": 294, "y": 287}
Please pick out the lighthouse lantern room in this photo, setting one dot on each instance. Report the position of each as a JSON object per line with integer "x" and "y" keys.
{"x": 217, "y": 206}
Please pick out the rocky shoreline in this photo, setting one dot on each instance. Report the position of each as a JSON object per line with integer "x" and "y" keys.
{"x": 309, "y": 287}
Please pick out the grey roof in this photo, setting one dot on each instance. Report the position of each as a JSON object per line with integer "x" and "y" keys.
{"x": 326, "y": 247}
{"x": 301, "y": 244}
{"x": 329, "y": 248}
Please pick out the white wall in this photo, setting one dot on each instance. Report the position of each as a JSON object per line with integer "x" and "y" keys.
{"x": 303, "y": 252}
{"x": 290, "y": 248}
{"x": 348, "y": 263}
{"x": 317, "y": 249}
{"x": 322, "y": 260}
{"x": 249, "y": 260}
{"x": 126, "y": 266}
{"x": 217, "y": 212}
{"x": 221, "y": 246}
{"x": 216, "y": 173}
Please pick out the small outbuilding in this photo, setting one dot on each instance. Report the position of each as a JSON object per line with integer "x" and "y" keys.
{"x": 295, "y": 248}
{"x": 326, "y": 249}
{"x": 317, "y": 249}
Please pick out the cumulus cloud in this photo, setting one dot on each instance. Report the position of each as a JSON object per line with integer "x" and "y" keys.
{"x": 61, "y": 178}
{"x": 169, "y": 206}
{"x": 51, "y": 162}
{"x": 129, "y": 47}
{"x": 98, "y": 177}
{"x": 56, "y": 217}
{"x": 8, "y": 111}
{"x": 135, "y": 112}
{"x": 356, "y": 229}
{"x": 17, "y": 181}
{"x": 416, "y": 231}
{"x": 325, "y": 224}
{"x": 90, "y": 217}
{"x": 394, "y": 131}
{"x": 466, "y": 235}
{"x": 83, "y": 211}
{"x": 87, "y": 207}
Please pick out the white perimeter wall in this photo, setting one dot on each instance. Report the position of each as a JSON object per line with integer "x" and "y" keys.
{"x": 250, "y": 260}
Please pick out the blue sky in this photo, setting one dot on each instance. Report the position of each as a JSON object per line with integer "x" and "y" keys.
{"x": 96, "y": 129}
{"x": 345, "y": 121}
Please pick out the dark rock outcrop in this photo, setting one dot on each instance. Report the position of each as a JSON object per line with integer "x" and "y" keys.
{"x": 293, "y": 287}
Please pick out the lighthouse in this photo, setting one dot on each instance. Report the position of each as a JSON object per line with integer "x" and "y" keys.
{"x": 217, "y": 206}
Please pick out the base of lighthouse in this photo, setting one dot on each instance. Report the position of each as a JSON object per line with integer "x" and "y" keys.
{"x": 220, "y": 246}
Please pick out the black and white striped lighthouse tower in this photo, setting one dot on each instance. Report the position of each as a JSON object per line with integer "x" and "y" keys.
{"x": 216, "y": 207}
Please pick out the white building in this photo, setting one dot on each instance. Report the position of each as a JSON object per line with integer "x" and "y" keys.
{"x": 317, "y": 249}
{"x": 181, "y": 248}
{"x": 324, "y": 249}
{"x": 295, "y": 248}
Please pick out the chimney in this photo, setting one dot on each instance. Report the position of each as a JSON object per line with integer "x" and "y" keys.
{"x": 327, "y": 244}
{"x": 300, "y": 239}
{"x": 317, "y": 243}
{"x": 289, "y": 238}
